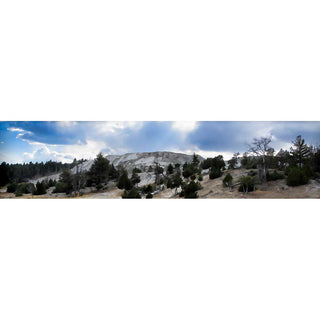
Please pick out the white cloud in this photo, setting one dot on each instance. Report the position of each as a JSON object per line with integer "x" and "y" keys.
{"x": 115, "y": 126}
{"x": 66, "y": 124}
{"x": 65, "y": 153}
{"x": 185, "y": 127}
{"x": 13, "y": 129}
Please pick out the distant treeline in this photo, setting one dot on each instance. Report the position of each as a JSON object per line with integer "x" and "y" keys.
{"x": 18, "y": 172}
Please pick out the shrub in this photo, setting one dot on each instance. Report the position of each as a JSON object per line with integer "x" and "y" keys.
{"x": 200, "y": 177}
{"x": 147, "y": 189}
{"x": 12, "y": 187}
{"x": 136, "y": 170}
{"x": 170, "y": 184}
{"x": 275, "y": 175}
{"x": 170, "y": 169}
{"x": 252, "y": 173}
{"x": 189, "y": 190}
{"x": 227, "y": 181}
{"x": 149, "y": 195}
{"x": 247, "y": 184}
{"x": 215, "y": 173}
{"x": 25, "y": 188}
{"x": 296, "y": 177}
{"x": 308, "y": 171}
{"x": 124, "y": 182}
{"x": 51, "y": 183}
{"x": 60, "y": 187}
{"x": 132, "y": 194}
{"x": 40, "y": 188}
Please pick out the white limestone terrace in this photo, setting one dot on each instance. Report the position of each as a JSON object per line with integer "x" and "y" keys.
{"x": 142, "y": 161}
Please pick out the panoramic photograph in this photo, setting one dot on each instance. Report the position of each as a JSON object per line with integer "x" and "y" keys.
{"x": 159, "y": 159}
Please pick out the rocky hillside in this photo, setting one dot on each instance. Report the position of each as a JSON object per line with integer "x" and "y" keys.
{"x": 144, "y": 160}
{"x": 128, "y": 161}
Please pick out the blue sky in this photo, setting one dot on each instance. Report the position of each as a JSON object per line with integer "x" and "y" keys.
{"x": 66, "y": 140}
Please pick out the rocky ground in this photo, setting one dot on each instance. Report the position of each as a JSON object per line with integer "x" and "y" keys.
{"x": 212, "y": 189}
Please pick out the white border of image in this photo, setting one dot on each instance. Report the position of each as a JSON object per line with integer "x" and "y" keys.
{"x": 223, "y": 259}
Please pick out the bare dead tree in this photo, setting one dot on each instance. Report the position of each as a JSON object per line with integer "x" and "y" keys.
{"x": 260, "y": 148}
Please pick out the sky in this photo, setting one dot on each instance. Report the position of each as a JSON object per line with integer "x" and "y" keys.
{"x": 63, "y": 141}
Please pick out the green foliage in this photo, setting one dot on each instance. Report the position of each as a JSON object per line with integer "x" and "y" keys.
{"x": 124, "y": 182}
{"x": 22, "y": 172}
{"x": 188, "y": 171}
{"x": 41, "y": 188}
{"x": 67, "y": 180}
{"x": 99, "y": 170}
{"x": 170, "y": 183}
{"x": 195, "y": 160}
{"x": 12, "y": 187}
{"x": 60, "y": 187}
{"x": 170, "y": 169}
{"x": 24, "y": 188}
{"x": 148, "y": 188}
{"x": 296, "y": 177}
{"x": 136, "y": 170}
{"x": 216, "y": 162}
{"x": 249, "y": 162}
{"x": 300, "y": 151}
{"x": 51, "y": 183}
{"x": 189, "y": 190}
{"x": 247, "y": 184}
{"x": 316, "y": 160}
{"x": 150, "y": 169}
{"x": 227, "y": 180}
{"x": 158, "y": 169}
{"x": 308, "y": 171}
{"x": 135, "y": 178}
{"x": 275, "y": 175}
{"x": 200, "y": 177}
{"x": 4, "y": 174}
{"x": 149, "y": 195}
{"x": 175, "y": 181}
{"x": 215, "y": 173}
{"x": 113, "y": 173}
{"x": 131, "y": 194}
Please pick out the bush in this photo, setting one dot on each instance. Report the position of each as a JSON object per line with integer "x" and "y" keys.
{"x": 51, "y": 183}
{"x": 275, "y": 175}
{"x": 60, "y": 187}
{"x": 132, "y": 194}
{"x": 170, "y": 184}
{"x": 124, "y": 182}
{"x": 170, "y": 169}
{"x": 200, "y": 177}
{"x": 40, "y": 188}
{"x": 147, "y": 189}
{"x": 189, "y": 190}
{"x": 25, "y": 188}
{"x": 308, "y": 171}
{"x": 227, "y": 181}
{"x": 149, "y": 196}
{"x": 136, "y": 170}
{"x": 296, "y": 177}
{"x": 12, "y": 187}
{"x": 215, "y": 173}
{"x": 247, "y": 184}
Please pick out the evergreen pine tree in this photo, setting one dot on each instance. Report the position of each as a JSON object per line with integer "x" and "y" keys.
{"x": 300, "y": 152}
